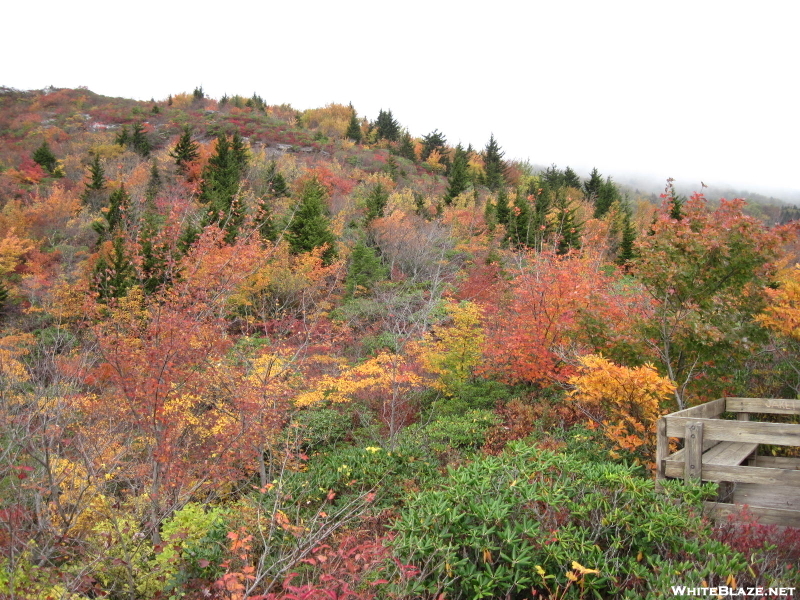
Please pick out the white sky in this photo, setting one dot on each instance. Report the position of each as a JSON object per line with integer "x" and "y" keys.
{"x": 692, "y": 90}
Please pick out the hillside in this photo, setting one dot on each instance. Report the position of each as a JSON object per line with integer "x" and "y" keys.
{"x": 254, "y": 352}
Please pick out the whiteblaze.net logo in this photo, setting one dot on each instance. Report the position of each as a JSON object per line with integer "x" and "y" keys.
{"x": 724, "y": 591}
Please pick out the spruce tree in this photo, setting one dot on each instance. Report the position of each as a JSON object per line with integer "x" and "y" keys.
{"x": 267, "y": 228}
{"x": 435, "y": 140}
{"x": 458, "y": 181}
{"x": 44, "y": 157}
{"x": 153, "y": 184}
{"x": 139, "y": 141}
{"x": 626, "y": 251}
{"x": 606, "y": 196}
{"x": 154, "y": 256}
{"x": 494, "y": 166}
{"x": 186, "y": 150}
{"x": 114, "y": 273}
{"x": 377, "y": 199}
{"x": 220, "y": 187}
{"x": 406, "y": 149}
{"x": 569, "y": 229}
{"x": 364, "y": 271}
{"x": 571, "y": 179}
{"x": 93, "y": 188}
{"x": 519, "y": 232}
{"x": 310, "y": 227}
{"x": 386, "y": 126}
{"x": 353, "y": 128}
{"x": 118, "y": 205}
{"x": 502, "y": 210}
{"x": 591, "y": 187}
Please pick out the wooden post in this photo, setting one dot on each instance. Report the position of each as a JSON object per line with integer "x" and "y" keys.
{"x": 662, "y": 450}
{"x": 694, "y": 451}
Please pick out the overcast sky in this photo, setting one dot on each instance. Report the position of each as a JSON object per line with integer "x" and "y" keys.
{"x": 691, "y": 90}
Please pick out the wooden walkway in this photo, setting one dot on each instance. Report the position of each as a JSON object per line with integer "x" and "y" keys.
{"x": 726, "y": 451}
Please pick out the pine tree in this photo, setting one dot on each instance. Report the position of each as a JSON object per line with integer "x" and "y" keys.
{"x": 239, "y": 154}
{"x": 93, "y": 188}
{"x": 571, "y": 179}
{"x": 502, "y": 210}
{"x": 519, "y": 231}
{"x": 494, "y": 166}
{"x": 377, "y": 199}
{"x": 626, "y": 251}
{"x": 406, "y": 149}
{"x": 220, "y": 187}
{"x": 569, "y": 229}
{"x": 364, "y": 271}
{"x": 267, "y": 228}
{"x": 154, "y": 257}
{"x": 44, "y": 156}
{"x": 123, "y": 138}
{"x": 458, "y": 180}
{"x": 310, "y": 227}
{"x": 386, "y": 126}
{"x": 114, "y": 274}
{"x": 606, "y": 196}
{"x": 353, "y": 128}
{"x": 153, "y": 184}
{"x": 435, "y": 140}
{"x": 186, "y": 150}
{"x": 118, "y": 205}
{"x": 139, "y": 141}
{"x": 198, "y": 94}
{"x": 591, "y": 187}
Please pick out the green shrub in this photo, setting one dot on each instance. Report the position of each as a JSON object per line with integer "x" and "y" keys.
{"x": 322, "y": 427}
{"x": 515, "y": 523}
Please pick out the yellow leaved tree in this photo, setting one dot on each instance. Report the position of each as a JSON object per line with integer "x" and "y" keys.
{"x": 782, "y": 317}
{"x": 627, "y": 400}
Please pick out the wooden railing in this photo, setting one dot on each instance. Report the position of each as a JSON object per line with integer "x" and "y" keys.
{"x": 716, "y": 449}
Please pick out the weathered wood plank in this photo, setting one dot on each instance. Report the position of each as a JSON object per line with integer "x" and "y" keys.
{"x": 772, "y": 496}
{"x": 765, "y": 516}
{"x": 781, "y": 434}
{"x": 708, "y": 410}
{"x": 741, "y": 474}
{"x": 776, "y": 462}
{"x": 774, "y": 406}
{"x": 662, "y": 447}
{"x": 728, "y": 453}
{"x": 694, "y": 451}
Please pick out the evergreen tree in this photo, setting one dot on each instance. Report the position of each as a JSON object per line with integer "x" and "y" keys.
{"x": 386, "y": 126}
{"x": 569, "y": 229}
{"x": 153, "y": 184}
{"x": 239, "y": 154}
{"x": 267, "y": 228}
{"x": 391, "y": 168}
{"x": 353, "y": 128}
{"x": 540, "y": 225}
{"x": 198, "y": 94}
{"x": 674, "y": 201}
{"x": 93, "y": 188}
{"x": 502, "y": 210}
{"x": 406, "y": 149}
{"x": 154, "y": 256}
{"x": 118, "y": 205}
{"x": 458, "y": 180}
{"x": 606, "y": 196}
{"x": 626, "y": 251}
{"x": 310, "y": 227}
{"x": 44, "y": 157}
{"x": 139, "y": 141}
{"x": 224, "y": 100}
{"x": 494, "y": 166}
{"x": 114, "y": 274}
{"x": 189, "y": 236}
{"x": 4, "y": 293}
{"x": 364, "y": 271}
{"x": 571, "y": 179}
{"x": 186, "y": 150}
{"x": 591, "y": 187}
{"x": 220, "y": 187}
{"x": 377, "y": 199}
{"x": 433, "y": 141}
{"x": 419, "y": 206}
{"x": 519, "y": 232}
{"x": 123, "y": 138}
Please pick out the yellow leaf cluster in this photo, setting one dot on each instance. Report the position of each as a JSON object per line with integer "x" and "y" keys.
{"x": 383, "y": 373}
{"x": 783, "y": 313}
{"x": 630, "y": 399}
{"x": 455, "y": 348}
